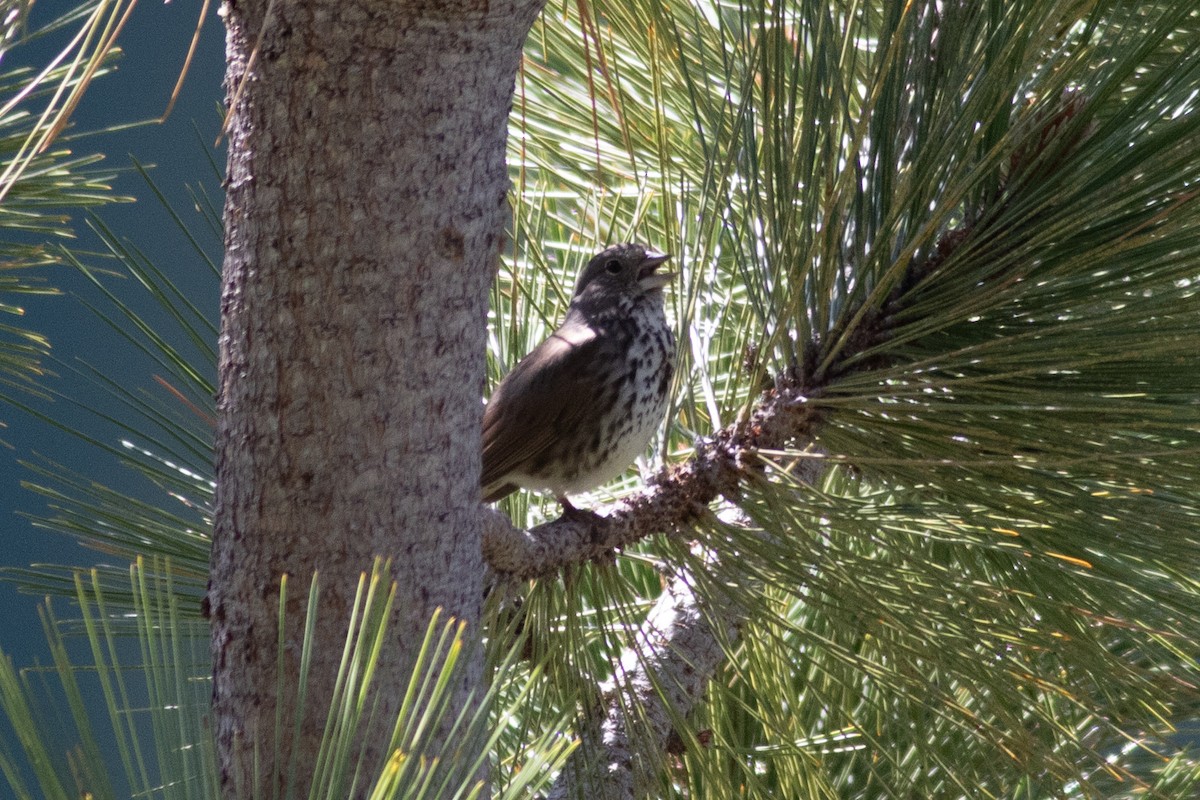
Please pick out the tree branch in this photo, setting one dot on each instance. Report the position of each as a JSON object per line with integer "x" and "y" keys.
{"x": 785, "y": 416}
{"x": 678, "y": 648}
{"x": 674, "y": 499}
{"x": 664, "y": 671}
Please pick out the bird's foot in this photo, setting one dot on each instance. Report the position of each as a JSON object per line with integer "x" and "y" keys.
{"x": 574, "y": 514}
{"x": 595, "y": 522}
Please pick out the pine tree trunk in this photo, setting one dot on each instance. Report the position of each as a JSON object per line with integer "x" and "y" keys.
{"x": 364, "y": 217}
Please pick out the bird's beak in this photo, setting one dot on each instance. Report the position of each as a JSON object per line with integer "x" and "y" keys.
{"x": 650, "y": 280}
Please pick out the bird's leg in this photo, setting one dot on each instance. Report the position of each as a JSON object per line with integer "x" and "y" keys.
{"x": 576, "y": 514}
{"x": 594, "y": 521}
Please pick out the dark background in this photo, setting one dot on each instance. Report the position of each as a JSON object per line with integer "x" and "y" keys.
{"x": 155, "y": 44}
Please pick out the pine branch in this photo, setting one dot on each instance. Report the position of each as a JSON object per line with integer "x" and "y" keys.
{"x": 662, "y": 675}
{"x": 785, "y": 417}
{"x": 788, "y": 415}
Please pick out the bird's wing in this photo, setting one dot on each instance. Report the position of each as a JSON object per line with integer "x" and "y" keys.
{"x": 549, "y": 392}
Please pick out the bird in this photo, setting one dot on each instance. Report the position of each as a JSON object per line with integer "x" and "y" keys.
{"x": 583, "y": 404}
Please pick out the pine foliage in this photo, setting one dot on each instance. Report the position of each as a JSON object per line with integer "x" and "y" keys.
{"x": 965, "y": 237}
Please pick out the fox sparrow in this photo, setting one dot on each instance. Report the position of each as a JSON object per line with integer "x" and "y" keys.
{"x": 584, "y": 403}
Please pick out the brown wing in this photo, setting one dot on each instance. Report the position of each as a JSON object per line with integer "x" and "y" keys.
{"x": 547, "y": 393}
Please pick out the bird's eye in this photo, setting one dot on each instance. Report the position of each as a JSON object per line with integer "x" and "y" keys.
{"x": 612, "y": 267}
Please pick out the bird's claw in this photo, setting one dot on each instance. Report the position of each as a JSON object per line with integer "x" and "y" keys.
{"x": 581, "y": 515}
{"x": 596, "y": 525}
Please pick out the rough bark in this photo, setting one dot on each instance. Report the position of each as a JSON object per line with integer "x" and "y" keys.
{"x": 364, "y": 215}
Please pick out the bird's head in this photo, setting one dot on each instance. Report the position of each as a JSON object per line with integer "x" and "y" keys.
{"x": 624, "y": 269}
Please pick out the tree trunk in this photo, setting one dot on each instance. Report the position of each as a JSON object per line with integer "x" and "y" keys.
{"x": 364, "y": 217}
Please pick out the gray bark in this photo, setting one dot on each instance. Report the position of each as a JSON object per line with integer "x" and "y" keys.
{"x": 364, "y": 215}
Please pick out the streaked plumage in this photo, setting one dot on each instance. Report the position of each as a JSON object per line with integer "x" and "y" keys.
{"x": 584, "y": 403}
